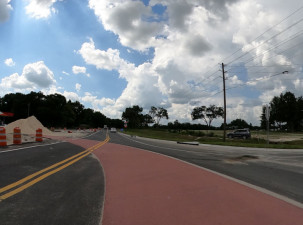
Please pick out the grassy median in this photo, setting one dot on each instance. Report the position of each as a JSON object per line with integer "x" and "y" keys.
{"x": 258, "y": 139}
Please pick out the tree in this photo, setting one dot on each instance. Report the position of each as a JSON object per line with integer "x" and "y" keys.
{"x": 134, "y": 116}
{"x": 157, "y": 114}
{"x": 239, "y": 123}
{"x": 284, "y": 109}
{"x": 147, "y": 120}
{"x": 208, "y": 114}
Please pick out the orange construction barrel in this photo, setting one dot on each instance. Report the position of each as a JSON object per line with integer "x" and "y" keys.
{"x": 2, "y": 137}
{"x": 39, "y": 135}
{"x": 17, "y": 136}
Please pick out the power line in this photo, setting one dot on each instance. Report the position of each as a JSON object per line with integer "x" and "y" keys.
{"x": 266, "y": 31}
{"x": 258, "y": 79}
{"x": 276, "y": 35}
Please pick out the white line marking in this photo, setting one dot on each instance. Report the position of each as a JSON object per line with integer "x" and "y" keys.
{"x": 17, "y": 149}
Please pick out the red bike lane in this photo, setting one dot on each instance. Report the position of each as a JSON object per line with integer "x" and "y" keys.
{"x": 145, "y": 188}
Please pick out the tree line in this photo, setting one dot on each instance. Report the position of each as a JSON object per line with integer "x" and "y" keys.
{"x": 286, "y": 113}
{"x": 54, "y": 111}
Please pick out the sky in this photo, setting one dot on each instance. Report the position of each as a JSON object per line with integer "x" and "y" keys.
{"x": 113, "y": 54}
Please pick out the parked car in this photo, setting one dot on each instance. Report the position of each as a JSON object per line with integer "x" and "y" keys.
{"x": 241, "y": 133}
{"x": 113, "y": 130}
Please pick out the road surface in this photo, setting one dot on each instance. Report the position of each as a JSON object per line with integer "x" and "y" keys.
{"x": 141, "y": 187}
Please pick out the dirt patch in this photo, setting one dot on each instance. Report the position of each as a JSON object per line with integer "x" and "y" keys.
{"x": 29, "y": 126}
{"x": 245, "y": 157}
{"x": 241, "y": 159}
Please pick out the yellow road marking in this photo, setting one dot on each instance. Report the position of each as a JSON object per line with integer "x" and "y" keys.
{"x": 21, "y": 188}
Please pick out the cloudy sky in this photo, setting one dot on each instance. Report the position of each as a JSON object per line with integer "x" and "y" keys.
{"x": 112, "y": 54}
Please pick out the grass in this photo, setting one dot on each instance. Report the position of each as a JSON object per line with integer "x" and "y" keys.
{"x": 216, "y": 138}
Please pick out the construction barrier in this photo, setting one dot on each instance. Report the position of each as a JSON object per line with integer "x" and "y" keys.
{"x": 39, "y": 135}
{"x": 17, "y": 136}
{"x": 2, "y": 137}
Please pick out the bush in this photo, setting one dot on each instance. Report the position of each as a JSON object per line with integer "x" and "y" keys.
{"x": 201, "y": 134}
{"x": 211, "y": 134}
{"x": 184, "y": 132}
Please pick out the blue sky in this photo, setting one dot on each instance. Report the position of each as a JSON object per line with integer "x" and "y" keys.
{"x": 113, "y": 54}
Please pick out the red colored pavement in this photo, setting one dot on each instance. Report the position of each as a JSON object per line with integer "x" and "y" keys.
{"x": 144, "y": 188}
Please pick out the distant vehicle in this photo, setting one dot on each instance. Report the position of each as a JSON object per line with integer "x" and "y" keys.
{"x": 105, "y": 126}
{"x": 113, "y": 130}
{"x": 241, "y": 133}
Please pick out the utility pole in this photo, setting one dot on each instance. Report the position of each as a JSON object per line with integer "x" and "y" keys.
{"x": 267, "y": 115}
{"x": 224, "y": 92}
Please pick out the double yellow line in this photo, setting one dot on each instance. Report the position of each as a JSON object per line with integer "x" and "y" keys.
{"x": 52, "y": 169}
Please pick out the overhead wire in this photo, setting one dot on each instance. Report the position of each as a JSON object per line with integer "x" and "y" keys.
{"x": 284, "y": 19}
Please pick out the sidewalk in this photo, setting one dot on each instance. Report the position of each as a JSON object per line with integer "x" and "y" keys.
{"x": 144, "y": 188}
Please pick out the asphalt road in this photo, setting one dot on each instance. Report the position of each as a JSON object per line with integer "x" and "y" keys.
{"x": 73, "y": 195}
{"x": 280, "y": 171}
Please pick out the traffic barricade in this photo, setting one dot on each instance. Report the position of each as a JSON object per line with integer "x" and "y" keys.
{"x": 17, "y": 136}
{"x": 3, "y": 142}
{"x": 39, "y": 135}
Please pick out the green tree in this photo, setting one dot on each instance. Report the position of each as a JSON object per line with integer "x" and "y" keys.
{"x": 208, "y": 114}
{"x": 239, "y": 123}
{"x": 134, "y": 116}
{"x": 284, "y": 109}
{"x": 157, "y": 114}
{"x": 147, "y": 119}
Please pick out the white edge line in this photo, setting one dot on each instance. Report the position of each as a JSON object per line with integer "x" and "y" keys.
{"x": 103, "y": 203}
{"x": 263, "y": 190}
{"x": 17, "y": 149}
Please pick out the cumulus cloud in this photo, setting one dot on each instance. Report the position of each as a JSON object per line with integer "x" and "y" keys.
{"x": 80, "y": 70}
{"x": 5, "y": 8}
{"x": 34, "y": 76}
{"x": 130, "y": 20}
{"x": 189, "y": 41}
{"x": 39, "y": 74}
{"x": 71, "y": 96}
{"x": 9, "y": 62}
{"x": 96, "y": 102}
{"x": 40, "y": 9}
{"x": 107, "y": 60}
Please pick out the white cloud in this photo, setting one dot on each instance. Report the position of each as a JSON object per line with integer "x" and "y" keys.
{"x": 130, "y": 20}
{"x": 97, "y": 103}
{"x": 107, "y": 60}
{"x": 65, "y": 73}
{"x": 39, "y": 74}
{"x": 71, "y": 96}
{"x": 189, "y": 40}
{"x": 34, "y": 76}
{"x": 5, "y": 8}
{"x": 78, "y": 87}
{"x": 81, "y": 70}
{"x": 9, "y": 62}
{"x": 40, "y": 9}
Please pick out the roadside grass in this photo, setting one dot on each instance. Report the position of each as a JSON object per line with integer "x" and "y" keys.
{"x": 216, "y": 138}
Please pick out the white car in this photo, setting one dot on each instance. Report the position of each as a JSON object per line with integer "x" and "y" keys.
{"x": 113, "y": 130}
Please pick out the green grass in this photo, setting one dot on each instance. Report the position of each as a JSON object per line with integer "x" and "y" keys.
{"x": 214, "y": 137}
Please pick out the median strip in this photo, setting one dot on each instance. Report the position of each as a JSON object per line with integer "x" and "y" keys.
{"x": 53, "y": 169}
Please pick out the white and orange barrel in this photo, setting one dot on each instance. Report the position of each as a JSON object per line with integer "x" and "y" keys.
{"x": 2, "y": 137}
{"x": 39, "y": 135}
{"x": 17, "y": 136}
